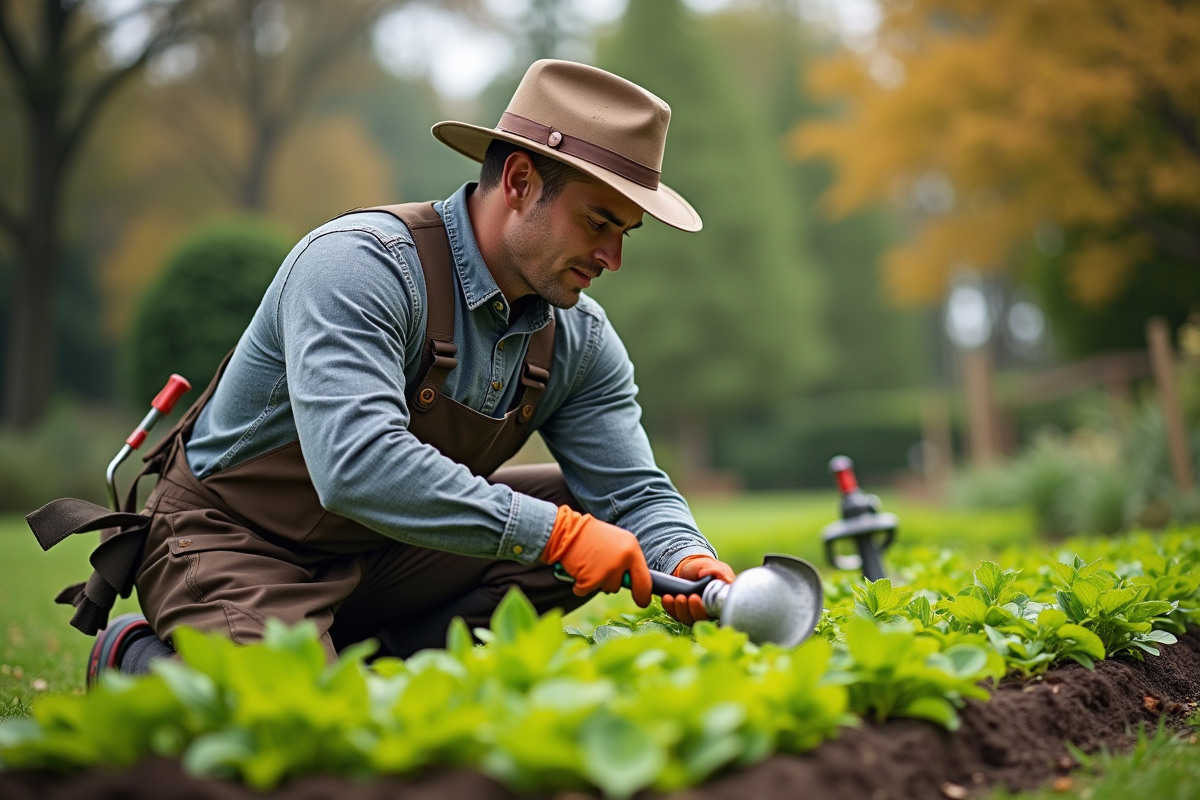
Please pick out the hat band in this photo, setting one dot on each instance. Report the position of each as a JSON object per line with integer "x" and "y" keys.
{"x": 580, "y": 148}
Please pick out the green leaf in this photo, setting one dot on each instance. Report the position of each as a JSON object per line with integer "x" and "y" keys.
{"x": 1064, "y": 574}
{"x": 1083, "y": 640}
{"x": 218, "y": 754}
{"x": 458, "y": 639}
{"x": 967, "y": 609}
{"x": 619, "y": 756}
{"x": 1087, "y": 594}
{"x": 934, "y": 709}
{"x": 1051, "y": 619}
{"x": 606, "y": 633}
{"x": 195, "y": 690}
{"x": 921, "y": 611}
{"x": 1114, "y": 600}
{"x": 965, "y": 661}
{"x": 513, "y": 616}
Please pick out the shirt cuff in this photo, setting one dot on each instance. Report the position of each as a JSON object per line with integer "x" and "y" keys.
{"x": 527, "y": 531}
{"x": 670, "y": 560}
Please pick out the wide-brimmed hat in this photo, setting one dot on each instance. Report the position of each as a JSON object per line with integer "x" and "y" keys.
{"x": 601, "y": 124}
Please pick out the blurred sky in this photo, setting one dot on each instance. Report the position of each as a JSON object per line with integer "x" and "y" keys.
{"x": 459, "y": 56}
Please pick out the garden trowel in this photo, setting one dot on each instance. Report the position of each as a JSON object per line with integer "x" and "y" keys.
{"x": 779, "y": 602}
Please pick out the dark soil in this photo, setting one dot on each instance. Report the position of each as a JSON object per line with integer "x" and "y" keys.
{"x": 1016, "y": 740}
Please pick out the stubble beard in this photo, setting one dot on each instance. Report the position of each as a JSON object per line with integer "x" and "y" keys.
{"x": 532, "y": 256}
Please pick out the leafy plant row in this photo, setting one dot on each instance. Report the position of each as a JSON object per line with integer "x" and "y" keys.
{"x": 638, "y": 703}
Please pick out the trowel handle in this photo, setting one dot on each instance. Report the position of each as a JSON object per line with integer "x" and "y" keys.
{"x": 660, "y": 582}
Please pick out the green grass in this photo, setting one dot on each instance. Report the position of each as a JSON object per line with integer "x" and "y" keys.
{"x": 39, "y": 651}
{"x": 1162, "y": 766}
{"x": 743, "y": 528}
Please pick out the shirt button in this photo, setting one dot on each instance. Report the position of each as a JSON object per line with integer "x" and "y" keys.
{"x": 517, "y": 549}
{"x": 498, "y": 305}
{"x": 497, "y": 385}
{"x": 501, "y": 345}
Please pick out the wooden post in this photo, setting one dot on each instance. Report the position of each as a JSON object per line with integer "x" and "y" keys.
{"x": 1162, "y": 362}
{"x": 938, "y": 439}
{"x": 981, "y": 426}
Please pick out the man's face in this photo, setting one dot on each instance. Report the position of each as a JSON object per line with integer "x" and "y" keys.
{"x": 564, "y": 244}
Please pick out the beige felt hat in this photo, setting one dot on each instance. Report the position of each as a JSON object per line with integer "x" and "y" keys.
{"x": 593, "y": 120}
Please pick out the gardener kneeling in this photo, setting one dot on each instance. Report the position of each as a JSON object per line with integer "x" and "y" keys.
{"x": 344, "y": 466}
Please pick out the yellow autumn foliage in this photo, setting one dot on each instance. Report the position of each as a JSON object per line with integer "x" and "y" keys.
{"x": 1080, "y": 114}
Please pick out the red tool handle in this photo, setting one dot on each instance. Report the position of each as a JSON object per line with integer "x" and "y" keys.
{"x": 177, "y": 386}
{"x": 163, "y": 402}
{"x": 843, "y": 472}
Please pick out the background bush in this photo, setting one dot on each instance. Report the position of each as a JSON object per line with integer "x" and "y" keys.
{"x": 64, "y": 456}
{"x": 1096, "y": 480}
{"x": 206, "y": 296}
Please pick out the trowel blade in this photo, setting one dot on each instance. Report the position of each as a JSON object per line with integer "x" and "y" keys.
{"x": 779, "y": 602}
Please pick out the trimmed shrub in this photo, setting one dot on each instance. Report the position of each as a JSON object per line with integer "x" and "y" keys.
{"x": 195, "y": 313}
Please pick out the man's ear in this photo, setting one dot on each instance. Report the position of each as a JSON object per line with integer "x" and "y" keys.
{"x": 520, "y": 183}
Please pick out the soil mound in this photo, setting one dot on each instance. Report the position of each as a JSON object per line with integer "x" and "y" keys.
{"x": 1016, "y": 740}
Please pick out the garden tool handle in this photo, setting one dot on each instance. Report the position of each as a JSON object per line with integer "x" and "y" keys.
{"x": 176, "y": 387}
{"x": 660, "y": 582}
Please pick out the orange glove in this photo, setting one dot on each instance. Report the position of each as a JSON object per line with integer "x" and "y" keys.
{"x": 689, "y": 609}
{"x": 597, "y": 555}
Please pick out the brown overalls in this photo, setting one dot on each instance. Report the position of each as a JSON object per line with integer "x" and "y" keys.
{"x": 253, "y": 541}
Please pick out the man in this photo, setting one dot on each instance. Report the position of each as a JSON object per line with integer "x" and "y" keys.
{"x": 344, "y": 466}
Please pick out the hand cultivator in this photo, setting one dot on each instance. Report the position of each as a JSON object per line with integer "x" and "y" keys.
{"x": 779, "y": 602}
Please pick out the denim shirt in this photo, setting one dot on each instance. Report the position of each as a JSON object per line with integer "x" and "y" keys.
{"x": 337, "y": 338}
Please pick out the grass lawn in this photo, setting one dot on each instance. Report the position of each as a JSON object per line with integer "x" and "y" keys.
{"x": 39, "y": 651}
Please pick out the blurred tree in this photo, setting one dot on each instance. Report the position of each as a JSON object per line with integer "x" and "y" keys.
{"x": 1071, "y": 127}
{"x": 248, "y": 117}
{"x": 201, "y": 304}
{"x": 234, "y": 98}
{"x": 874, "y": 344}
{"x": 328, "y": 164}
{"x": 727, "y": 319}
{"x": 398, "y": 114}
{"x": 64, "y": 75}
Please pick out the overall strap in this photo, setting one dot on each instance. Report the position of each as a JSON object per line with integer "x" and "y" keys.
{"x": 535, "y": 372}
{"x": 437, "y": 263}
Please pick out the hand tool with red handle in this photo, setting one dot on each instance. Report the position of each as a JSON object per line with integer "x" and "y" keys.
{"x": 160, "y": 406}
{"x": 872, "y": 531}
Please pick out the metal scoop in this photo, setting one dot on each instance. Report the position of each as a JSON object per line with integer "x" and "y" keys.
{"x": 779, "y": 602}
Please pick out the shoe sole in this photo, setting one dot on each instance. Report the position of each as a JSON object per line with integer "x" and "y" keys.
{"x": 107, "y": 648}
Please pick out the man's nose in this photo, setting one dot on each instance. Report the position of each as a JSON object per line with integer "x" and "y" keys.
{"x": 610, "y": 255}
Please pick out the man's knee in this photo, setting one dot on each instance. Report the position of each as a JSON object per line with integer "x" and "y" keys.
{"x": 543, "y": 481}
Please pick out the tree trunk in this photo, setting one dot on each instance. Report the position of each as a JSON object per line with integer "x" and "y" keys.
{"x": 29, "y": 363}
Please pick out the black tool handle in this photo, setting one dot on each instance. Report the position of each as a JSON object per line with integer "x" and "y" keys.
{"x": 872, "y": 562}
{"x": 660, "y": 582}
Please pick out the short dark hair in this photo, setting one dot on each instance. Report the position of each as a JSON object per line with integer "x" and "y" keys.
{"x": 555, "y": 174}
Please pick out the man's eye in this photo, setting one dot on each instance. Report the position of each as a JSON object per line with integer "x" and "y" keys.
{"x": 596, "y": 226}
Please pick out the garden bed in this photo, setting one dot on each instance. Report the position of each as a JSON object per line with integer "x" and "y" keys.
{"x": 1017, "y": 739}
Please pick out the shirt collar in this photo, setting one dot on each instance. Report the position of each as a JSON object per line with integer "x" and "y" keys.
{"x": 476, "y": 280}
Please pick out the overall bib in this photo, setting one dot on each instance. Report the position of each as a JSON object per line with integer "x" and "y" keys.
{"x": 252, "y": 542}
